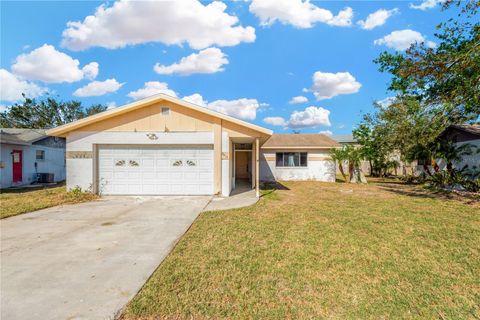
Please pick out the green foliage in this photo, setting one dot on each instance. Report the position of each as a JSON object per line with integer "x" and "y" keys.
{"x": 46, "y": 113}
{"x": 446, "y": 78}
{"x": 434, "y": 87}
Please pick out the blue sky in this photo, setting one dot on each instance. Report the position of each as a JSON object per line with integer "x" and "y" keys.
{"x": 276, "y": 50}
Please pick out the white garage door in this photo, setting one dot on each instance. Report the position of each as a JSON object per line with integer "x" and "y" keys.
{"x": 155, "y": 170}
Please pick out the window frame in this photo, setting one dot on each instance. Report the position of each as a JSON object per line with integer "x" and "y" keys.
{"x": 297, "y": 156}
{"x": 42, "y": 153}
{"x": 165, "y": 111}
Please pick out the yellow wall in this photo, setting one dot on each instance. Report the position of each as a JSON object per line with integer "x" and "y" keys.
{"x": 150, "y": 118}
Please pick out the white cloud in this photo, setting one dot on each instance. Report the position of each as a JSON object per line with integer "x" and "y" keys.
{"x": 299, "y": 13}
{"x": 427, "y": 4}
{"x": 49, "y": 65}
{"x": 326, "y": 132}
{"x": 244, "y": 108}
{"x": 342, "y": 19}
{"x": 328, "y": 85}
{"x": 298, "y": 100}
{"x": 111, "y": 105}
{"x": 170, "y": 22}
{"x": 98, "y": 88}
{"x": 310, "y": 117}
{"x": 276, "y": 121}
{"x": 210, "y": 60}
{"x": 151, "y": 88}
{"x": 403, "y": 39}
{"x": 11, "y": 87}
{"x": 386, "y": 102}
{"x": 376, "y": 19}
{"x": 90, "y": 71}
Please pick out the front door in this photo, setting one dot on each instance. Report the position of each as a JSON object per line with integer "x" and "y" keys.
{"x": 17, "y": 165}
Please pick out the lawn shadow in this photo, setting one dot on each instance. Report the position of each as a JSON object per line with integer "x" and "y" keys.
{"x": 30, "y": 188}
{"x": 417, "y": 191}
{"x": 270, "y": 187}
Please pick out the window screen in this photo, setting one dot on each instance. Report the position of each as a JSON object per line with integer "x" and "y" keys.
{"x": 291, "y": 159}
{"x": 40, "y": 155}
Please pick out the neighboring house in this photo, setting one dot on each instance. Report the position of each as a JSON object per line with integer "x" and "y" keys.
{"x": 348, "y": 139}
{"x": 459, "y": 134}
{"x": 297, "y": 157}
{"x": 27, "y": 152}
{"x": 164, "y": 145}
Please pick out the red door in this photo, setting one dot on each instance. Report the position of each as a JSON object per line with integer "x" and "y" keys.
{"x": 17, "y": 165}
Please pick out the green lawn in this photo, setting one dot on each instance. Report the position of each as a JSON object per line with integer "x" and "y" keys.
{"x": 17, "y": 201}
{"x": 320, "y": 250}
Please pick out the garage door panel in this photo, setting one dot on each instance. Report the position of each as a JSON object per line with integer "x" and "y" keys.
{"x": 156, "y": 170}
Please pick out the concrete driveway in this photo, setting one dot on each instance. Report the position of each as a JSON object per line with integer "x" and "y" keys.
{"x": 86, "y": 261}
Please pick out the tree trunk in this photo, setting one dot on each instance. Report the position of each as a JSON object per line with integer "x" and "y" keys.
{"x": 450, "y": 168}
{"x": 350, "y": 171}
{"x": 371, "y": 166}
{"x": 340, "y": 167}
{"x": 427, "y": 169}
{"x": 435, "y": 166}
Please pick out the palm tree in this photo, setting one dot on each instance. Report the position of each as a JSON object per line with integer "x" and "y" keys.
{"x": 339, "y": 156}
{"x": 450, "y": 152}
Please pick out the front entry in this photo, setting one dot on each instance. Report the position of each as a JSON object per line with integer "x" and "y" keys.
{"x": 17, "y": 166}
{"x": 243, "y": 165}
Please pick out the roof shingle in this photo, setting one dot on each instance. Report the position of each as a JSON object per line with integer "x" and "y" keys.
{"x": 293, "y": 141}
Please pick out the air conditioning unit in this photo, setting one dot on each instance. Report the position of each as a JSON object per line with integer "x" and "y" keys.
{"x": 45, "y": 177}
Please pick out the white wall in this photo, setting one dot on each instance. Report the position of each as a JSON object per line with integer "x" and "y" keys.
{"x": 54, "y": 163}
{"x": 318, "y": 170}
{"x": 81, "y": 172}
{"x": 471, "y": 160}
{"x": 226, "y": 187}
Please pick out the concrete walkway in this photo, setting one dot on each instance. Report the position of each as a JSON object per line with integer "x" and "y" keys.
{"x": 240, "y": 197}
{"x": 86, "y": 261}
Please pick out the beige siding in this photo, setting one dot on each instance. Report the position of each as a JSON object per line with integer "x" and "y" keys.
{"x": 150, "y": 118}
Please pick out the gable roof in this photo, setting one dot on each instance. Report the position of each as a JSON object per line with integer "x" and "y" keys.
{"x": 61, "y": 130}
{"x": 299, "y": 141}
{"x": 21, "y": 136}
{"x": 470, "y": 128}
{"x": 344, "y": 138}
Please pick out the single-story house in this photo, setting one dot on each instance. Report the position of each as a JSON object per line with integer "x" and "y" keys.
{"x": 167, "y": 146}
{"x": 459, "y": 134}
{"x": 349, "y": 139}
{"x": 25, "y": 153}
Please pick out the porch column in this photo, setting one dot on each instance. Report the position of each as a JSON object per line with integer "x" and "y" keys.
{"x": 217, "y": 156}
{"x": 257, "y": 167}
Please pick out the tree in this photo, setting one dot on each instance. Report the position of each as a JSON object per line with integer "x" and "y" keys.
{"x": 447, "y": 150}
{"x": 447, "y": 77}
{"x": 353, "y": 156}
{"x": 339, "y": 156}
{"x": 46, "y": 113}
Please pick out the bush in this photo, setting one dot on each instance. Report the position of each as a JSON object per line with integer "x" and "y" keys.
{"x": 466, "y": 179}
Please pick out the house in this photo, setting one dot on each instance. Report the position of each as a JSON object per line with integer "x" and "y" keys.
{"x": 28, "y": 152}
{"x": 164, "y": 145}
{"x": 459, "y": 134}
{"x": 348, "y": 139}
{"x": 297, "y": 157}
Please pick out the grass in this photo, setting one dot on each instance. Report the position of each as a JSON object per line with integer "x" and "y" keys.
{"x": 22, "y": 200}
{"x": 320, "y": 250}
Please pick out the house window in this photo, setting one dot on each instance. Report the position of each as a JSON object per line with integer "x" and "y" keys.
{"x": 40, "y": 155}
{"x": 291, "y": 159}
{"x": 165, "y": 111}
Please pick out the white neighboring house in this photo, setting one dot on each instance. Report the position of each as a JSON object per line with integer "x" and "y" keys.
{"x": 460, "y": 134}
{"x": 28, "y": 152}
